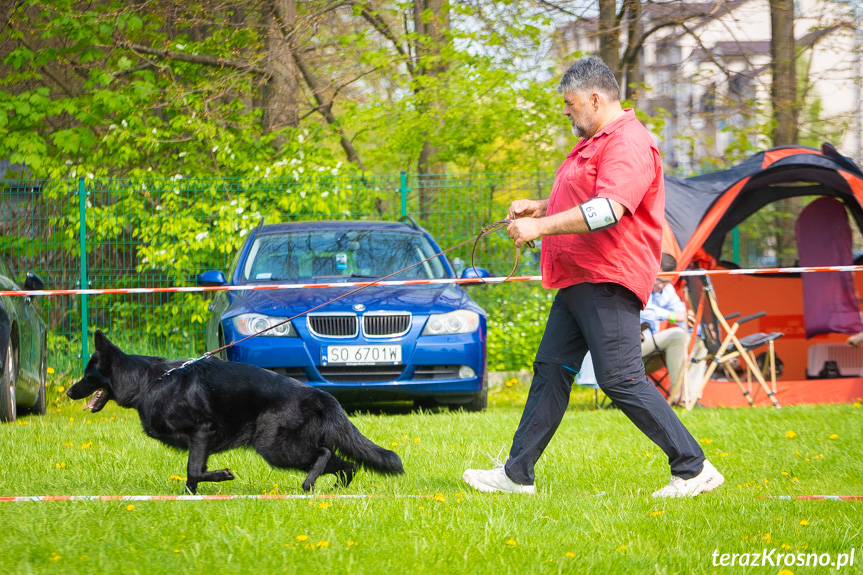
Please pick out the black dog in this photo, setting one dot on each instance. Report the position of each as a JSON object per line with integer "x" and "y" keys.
{"x": 214, "y": 405}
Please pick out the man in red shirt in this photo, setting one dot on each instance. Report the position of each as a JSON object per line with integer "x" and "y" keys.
{"x": 601, "y": 232}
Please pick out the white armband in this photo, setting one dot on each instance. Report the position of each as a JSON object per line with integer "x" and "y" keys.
{"x": 598, "y": 214}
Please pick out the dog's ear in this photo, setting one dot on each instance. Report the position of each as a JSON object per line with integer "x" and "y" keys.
{"x": 102, "y": 342}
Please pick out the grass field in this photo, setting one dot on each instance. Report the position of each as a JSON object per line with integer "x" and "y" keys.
{"x": 593, "y": 512}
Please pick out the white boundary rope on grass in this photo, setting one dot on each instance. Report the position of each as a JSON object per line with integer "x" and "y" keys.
{"x": 493, "y": 280}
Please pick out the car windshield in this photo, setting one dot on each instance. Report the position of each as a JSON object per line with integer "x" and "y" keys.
{"x": 333, "y": 255}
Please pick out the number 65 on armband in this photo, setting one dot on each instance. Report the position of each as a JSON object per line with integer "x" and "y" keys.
{"x": 598, "y": 214}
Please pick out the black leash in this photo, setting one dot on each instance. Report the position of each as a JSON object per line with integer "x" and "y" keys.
{"x": 486, "y": 231}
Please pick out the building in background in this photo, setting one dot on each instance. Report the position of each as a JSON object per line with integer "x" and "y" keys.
{"x": 705, "y": 67}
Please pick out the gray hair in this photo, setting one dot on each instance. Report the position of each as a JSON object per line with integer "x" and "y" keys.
{"x": 590, "y": 74}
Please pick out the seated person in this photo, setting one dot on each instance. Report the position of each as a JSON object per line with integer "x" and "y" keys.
{"x": 664, "y": 305}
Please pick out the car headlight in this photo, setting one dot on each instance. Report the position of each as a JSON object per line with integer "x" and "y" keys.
{"x": 459, "y": 321}
{"x": 252, "y": 323}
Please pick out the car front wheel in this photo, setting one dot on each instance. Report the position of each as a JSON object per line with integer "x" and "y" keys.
{"x": 8, "y": 408}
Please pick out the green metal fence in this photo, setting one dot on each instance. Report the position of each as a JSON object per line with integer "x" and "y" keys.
{"x": 163, "y": 232}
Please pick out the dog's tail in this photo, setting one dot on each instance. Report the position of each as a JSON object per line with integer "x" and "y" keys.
{"x": 339, "y": 431}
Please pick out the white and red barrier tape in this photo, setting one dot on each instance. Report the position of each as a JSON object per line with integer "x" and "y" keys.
{"x": 43, "y": 498}
{"x": 817, "y": 497}
{"x": 494, "y": 280}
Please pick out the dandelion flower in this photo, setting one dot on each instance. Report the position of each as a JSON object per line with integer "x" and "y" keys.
{"x": 804, "y": 523}
{"x": 61, "y": 389}
{"x": 656, "y": 513}
{"x": 790, "y": 434}
{"x": 50, "y": 371}
{"x": 130, "y": 507}
{"x": 622, "y": 548}
{"x": 511, "y": 542}
{"x": 834, "y": 436}
{"x": 786, "y": 572}
{"x": 570, "y": 554}
{"x": 416, "y": 439}
{"x": 706, "y": 441}
{"x": 351, "y": 543}
{"x": 323, "y": 544}
{"x": 440, "y": 498}
{"x": 323, "y": 505}
{"x": 302, "y": 537}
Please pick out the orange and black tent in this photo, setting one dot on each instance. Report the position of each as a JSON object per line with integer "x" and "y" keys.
{"x": 701, "y": 210}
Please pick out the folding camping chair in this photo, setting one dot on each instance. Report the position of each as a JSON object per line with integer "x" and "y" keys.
{"x": 722, "y": 349}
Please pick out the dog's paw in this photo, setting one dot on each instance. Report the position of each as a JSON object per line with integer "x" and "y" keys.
{"x": 226, "y": 474}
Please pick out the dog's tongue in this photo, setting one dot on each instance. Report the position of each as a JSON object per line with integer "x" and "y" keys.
{"x": 94, "y": 400}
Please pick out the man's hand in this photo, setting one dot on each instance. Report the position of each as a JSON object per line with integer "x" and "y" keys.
{"x": 524, "y": 230}
{"x": 527, "y": 209}
{"x": 690, "y": 319}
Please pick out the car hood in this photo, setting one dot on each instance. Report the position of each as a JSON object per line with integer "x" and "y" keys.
{"x": 289, "y": 302}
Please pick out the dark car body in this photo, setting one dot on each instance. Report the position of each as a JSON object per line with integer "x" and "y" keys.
{"x": 376, "y": 344}
{"x": 23, "y": 348}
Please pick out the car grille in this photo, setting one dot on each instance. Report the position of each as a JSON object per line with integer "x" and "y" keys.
{"x": 361, "y": 373}
{"x": 327, "y": 325}
{"x": 426, "y": 372}
{"x": 386, "y": 325}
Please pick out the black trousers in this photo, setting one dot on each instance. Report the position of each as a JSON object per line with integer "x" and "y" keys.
{"x": 602, "y": 318}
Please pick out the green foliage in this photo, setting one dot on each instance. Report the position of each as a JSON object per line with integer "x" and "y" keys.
{"x": 516, "y": 323}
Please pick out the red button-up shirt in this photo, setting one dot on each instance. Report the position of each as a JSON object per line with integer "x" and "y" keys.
{"x": 622, "y": 163}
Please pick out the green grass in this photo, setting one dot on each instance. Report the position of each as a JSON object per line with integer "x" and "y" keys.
{"x": 593, "y": 512}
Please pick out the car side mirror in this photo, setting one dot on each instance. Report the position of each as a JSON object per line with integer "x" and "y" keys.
{"x": 469, "y": 273}
{"x": 33, "y": 282}
{"x": 211, "y": 278}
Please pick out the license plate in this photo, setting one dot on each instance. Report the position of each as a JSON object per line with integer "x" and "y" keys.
{"x": 361, "y": 355}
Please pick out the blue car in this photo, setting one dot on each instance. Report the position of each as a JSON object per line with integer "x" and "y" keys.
{"x": 425, "y": 343}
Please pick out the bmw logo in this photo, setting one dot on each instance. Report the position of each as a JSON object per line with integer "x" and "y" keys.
{"x": 359, "y": 307}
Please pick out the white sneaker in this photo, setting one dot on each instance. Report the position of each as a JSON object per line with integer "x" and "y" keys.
{"x": 708, "y": 480}
{"x": 492, "y": 480}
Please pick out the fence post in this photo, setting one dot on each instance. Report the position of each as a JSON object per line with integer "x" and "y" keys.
{"x": 403, "y": 190}
{"x": 82, "y": 232}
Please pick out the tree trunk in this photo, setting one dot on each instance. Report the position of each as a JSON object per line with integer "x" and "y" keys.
{"x": 632, "y": 61}
{"x": 784, "y": 88}
{"x": 431, "y": 22}
{"x": 609, "y": 37}
{"x": 280, "y": 91}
